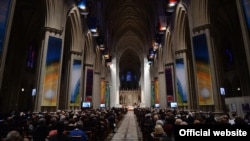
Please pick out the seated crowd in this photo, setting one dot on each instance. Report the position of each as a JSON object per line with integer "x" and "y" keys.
{"x": 81, "y": 125}
{"x": 158, "y": 124}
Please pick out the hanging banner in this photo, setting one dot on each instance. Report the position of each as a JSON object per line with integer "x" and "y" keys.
{"x": 181, "y": 81}
{"x": 152, "y": 95}
{"x": 89, "y": 85}
{"x": 203, "y": 72}
{"x": 103, "y": 89}
{"x": 169, "y": 84}
{"x": 156, "y": 84}
{"x": 52, "y": 71}
{"x": 246, "y": 8}
{"x": 4, "y": 12}
{"x": 75, "y": 85}
{"x": 107, "y": 95}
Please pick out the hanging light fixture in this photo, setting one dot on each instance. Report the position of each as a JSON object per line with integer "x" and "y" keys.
{"x": 171, "y": 5}
{"x": 92, "y": 24}
{"x": 162, "y": 24}
{"x": 106, "y": 54}
{"x": 109, "y": 61}
{"x": 82, "y": 5}
{"x": 151, "y": 53}
{"x": 155, "y": 45}
{"x": 150, "y": 57}
{"x": 157, "y": 41}
{"x": 107, "y": 57}
{"x": 100, "y": 42}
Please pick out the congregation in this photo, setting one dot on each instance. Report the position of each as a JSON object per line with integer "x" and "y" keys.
{"x": 96, "y": 124}
{"x": 161, "y": 124}
{"x": 81, "y": 125}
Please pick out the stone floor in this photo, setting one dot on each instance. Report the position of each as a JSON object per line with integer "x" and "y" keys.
{"x": 127, "y": 130}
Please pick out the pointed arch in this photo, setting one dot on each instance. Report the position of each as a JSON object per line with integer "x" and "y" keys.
{"x": 201, "y": 17}
{"x": 76, "y": 30}
{"x": 90, "y": 54}
{"x": 168, "y": 53}
{"x": 54, "y": 9}
{"x": 181, "y": 21}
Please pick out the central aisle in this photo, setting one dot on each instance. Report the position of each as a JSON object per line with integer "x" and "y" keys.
{"x": 128, "y": 130}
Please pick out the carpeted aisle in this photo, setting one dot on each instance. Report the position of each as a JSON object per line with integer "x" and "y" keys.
{"x": 127, "y": 130}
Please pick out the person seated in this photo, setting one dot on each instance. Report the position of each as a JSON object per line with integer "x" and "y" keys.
{"x": 40, "y": 131}
{"x": 15, "y": 136}
{"x": 59, "y": 136}
{"x": 78, "y": 134}
{"x": 158, "y": 131}
{"x": 159, "y": 134}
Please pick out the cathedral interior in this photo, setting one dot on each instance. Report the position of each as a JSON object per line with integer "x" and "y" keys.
{"x": 59, "y": 54}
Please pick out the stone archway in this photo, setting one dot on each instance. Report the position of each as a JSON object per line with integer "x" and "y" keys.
{"x": 129, "y": 76}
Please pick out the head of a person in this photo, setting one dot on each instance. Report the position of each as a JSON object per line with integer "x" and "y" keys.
{"x": 60, "y": 126}
{"x": 178, "y": 121}
{"x": 42, "y": 122}
{"x": 79, "y": 125}
{"x": 14, "y": 136}
{"x": 155, "y": 117}
{"x": 160, "y": 122}
{"x": 158, "y": 129}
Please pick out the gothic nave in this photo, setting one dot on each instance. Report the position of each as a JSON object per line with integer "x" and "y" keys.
{"x": 66, "y": 54}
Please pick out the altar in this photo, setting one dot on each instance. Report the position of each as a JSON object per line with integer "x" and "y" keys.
{"x": 129, "y": 98}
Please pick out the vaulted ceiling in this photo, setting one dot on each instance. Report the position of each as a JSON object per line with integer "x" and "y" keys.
{"x": 132, "y": 24}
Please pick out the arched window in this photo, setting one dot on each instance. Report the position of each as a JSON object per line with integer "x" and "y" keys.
{"x": 129, "y": 76}
{"x": 228, "y": 56}
{"x": 31, "y": 58}
{"x": 129, "y": 80}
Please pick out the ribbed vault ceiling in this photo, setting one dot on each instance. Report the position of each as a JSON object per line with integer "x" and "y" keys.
{"x": 131, "y": 22}
{"x": 131, "y": 25}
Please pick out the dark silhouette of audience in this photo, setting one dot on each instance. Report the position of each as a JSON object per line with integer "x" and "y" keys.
{"x": 53, "y": 126}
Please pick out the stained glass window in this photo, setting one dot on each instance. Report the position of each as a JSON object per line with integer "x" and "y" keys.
{"x": 30, "y": 63}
